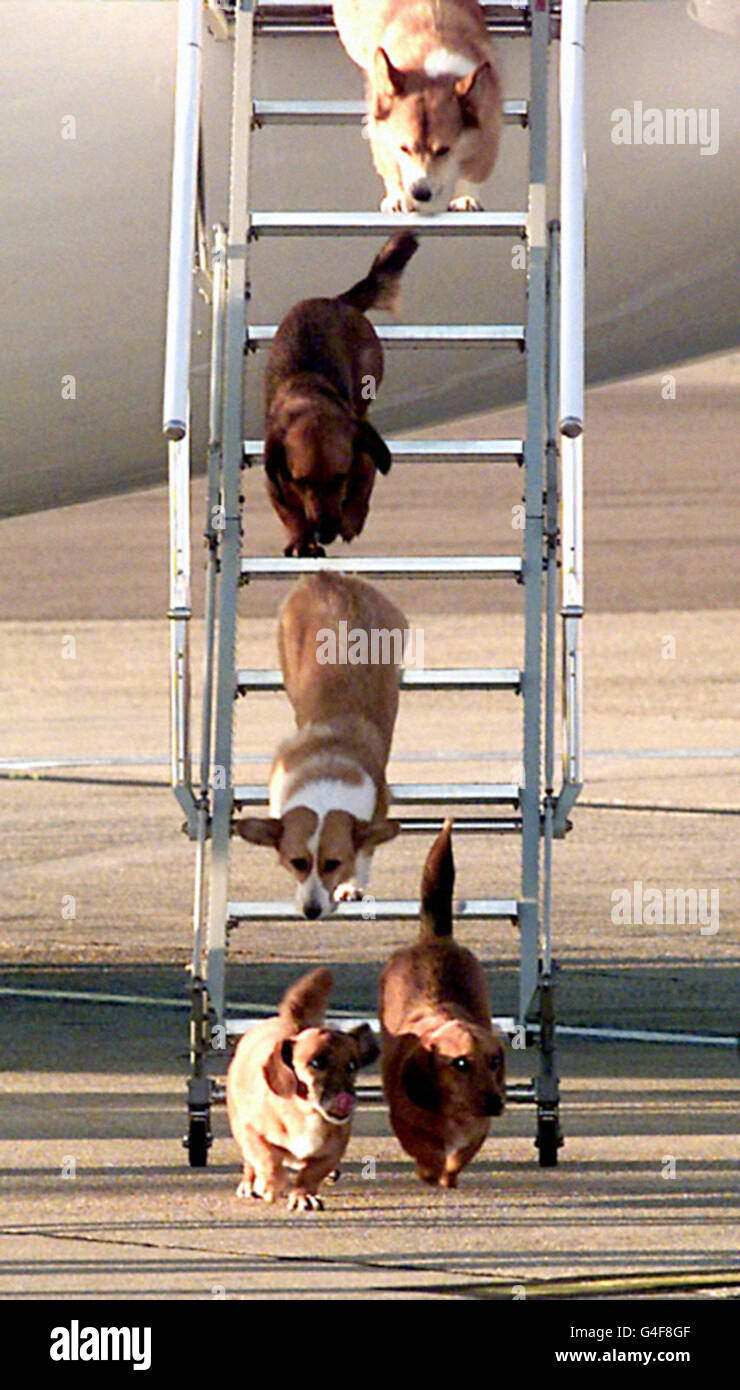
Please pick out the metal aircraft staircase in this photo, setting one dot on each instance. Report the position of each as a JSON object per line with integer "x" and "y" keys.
{"x": 549, "y": 569}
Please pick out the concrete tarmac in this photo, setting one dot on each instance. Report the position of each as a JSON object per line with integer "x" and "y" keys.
{"x": 98, "y": 1200}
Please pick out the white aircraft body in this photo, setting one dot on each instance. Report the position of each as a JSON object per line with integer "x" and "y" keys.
{"x": 87, "y": 98}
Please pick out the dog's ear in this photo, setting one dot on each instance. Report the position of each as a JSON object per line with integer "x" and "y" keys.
{"x": 368, "y": 835}
{"x": 275, "y": 462}
{"x": 419, "y": 1078}
{"x": 368, "y": 441}
{"x": 366, "y": 1043}
{"x": 260, "y": 830}
{"x": 466, "y": 90}
{"x": 464, "y": 87}
{"x": 278, "y": 1070}
{"x": 389, "y": 82}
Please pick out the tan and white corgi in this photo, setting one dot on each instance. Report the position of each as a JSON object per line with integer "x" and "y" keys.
{"x": 433, "y": 93}
{"x": 328, "y": 793}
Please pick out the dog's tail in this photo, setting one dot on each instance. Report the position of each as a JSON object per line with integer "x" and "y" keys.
{"x": 304, "y": 1004}
{"x": 381, "y": 286}
{"x": 437, "y": 882}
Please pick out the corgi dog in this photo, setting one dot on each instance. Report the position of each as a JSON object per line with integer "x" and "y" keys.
{"x": 321, "y": 452}
{"x": 443, "y": 1066}
{"x": 290, "y": 1094}
{"x": 434, "y": 109}
{"x": 328, "y": 794}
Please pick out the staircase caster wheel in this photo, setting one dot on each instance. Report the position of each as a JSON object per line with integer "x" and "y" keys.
{"x": 548, "y": 1141}
{"x": 198, "y": 1141}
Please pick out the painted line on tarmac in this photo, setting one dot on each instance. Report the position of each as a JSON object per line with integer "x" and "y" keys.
{"x": 245, "y": 1011}
{"x": 591, "y": 1286}
{"x": 430, "y": 755}
{"x": 642, "y": 1035}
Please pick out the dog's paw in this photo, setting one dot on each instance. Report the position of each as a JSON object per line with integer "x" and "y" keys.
{"x": 428, "y": 1175}
{"x": 305, "y": 550}
{"x": 393, "y": 202}
{"x": 268, "y": 1194}
{"x": 348, "y": 893}
{"x": 298, "y": 1200}
{"x": 246, "y": 1188}
{"x": 465, "y": 203}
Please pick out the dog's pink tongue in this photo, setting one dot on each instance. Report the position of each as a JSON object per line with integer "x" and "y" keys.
{"x": 342, "y": 1104}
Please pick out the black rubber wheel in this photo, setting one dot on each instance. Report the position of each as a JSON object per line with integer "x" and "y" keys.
{"x": 547, "y": 1141}
{"x": 198, "y": 1141}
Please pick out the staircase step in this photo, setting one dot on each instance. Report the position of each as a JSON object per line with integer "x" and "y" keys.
{"x": 416, "y": 794}
{"x": 471, "y": 825}
{"x": 408, "y": 567}
{"x": 386, "y": 223}
{"x": 333, "y": 113}
{"x": 420, "y": 335}
{"x": 369, "y": 1091}
{"x": 430, "y": 450}
{"x": 462, "y": 678}
{"x": 390, "y": 910}
{"x": 504, "y": 17}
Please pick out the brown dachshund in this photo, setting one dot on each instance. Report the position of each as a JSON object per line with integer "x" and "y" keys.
{"x": 290, "y": 1094}
{"x": 323, "y": 370}
{"x": 443, "y": 1066}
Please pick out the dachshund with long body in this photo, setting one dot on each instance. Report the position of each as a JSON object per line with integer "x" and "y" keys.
{"x": 324, "y": 368}
{"x": 290, "y": 1093}
{"x": 443, "y": 1066}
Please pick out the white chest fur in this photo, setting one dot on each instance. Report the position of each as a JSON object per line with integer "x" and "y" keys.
{"x": 442, "y": 63}
{"x": 311, "y": 1140}
{"x": 324, "y": 794}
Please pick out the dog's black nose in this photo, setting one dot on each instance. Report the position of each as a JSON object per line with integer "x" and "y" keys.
{"x": 312, "y": 910}
{"x": 421, "y": 192}
{"x": 494, "y": 1105}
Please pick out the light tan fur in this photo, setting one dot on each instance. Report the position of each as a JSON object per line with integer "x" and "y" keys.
{"x": 328, "y": 793}
{"x": 434, "y": 110}
{"x": 290, "y": 1096}
{"x": 443, "y": 1066}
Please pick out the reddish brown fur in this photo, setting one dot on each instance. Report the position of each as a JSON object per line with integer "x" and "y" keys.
{"x": 324, "y": 368}
{"x": 280, "y": 1104}
{"x": 435, "y": 1020}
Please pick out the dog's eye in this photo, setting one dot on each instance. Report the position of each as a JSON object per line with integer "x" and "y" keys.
{"x": 318, "y": 1063}
{"x": 440, "y": 152}
{"x": 461, "y": 1064}
{"x": 351, "y": 1065}
{"x": 331, "y": 865}
{"x": 300, "y": 864}
{"x": 495, "y": 1064}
